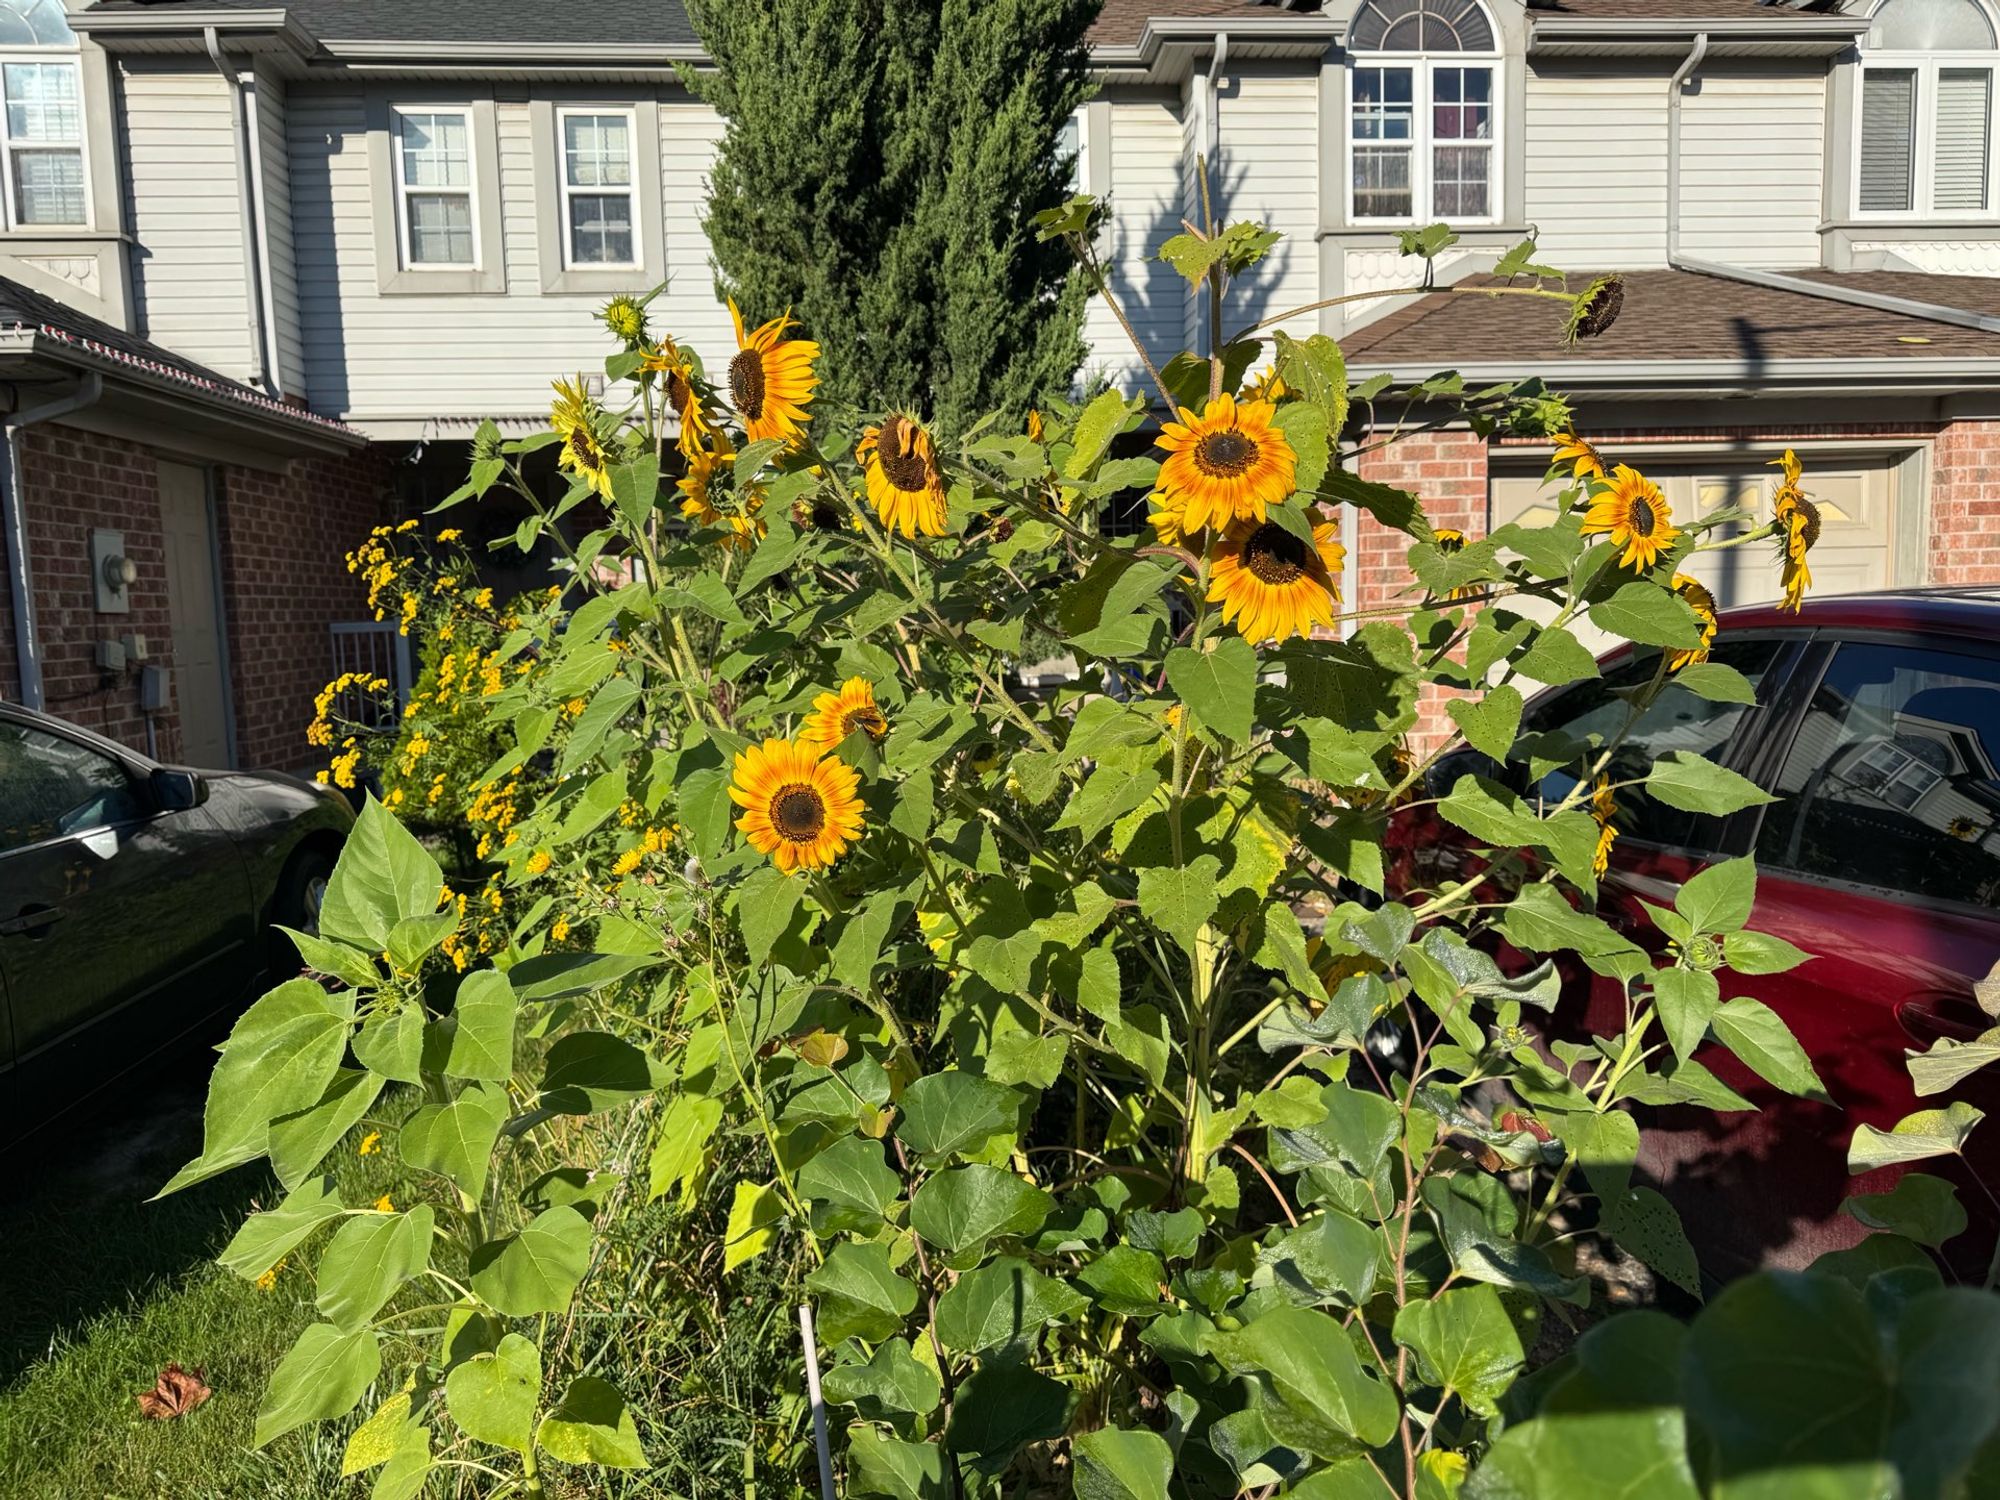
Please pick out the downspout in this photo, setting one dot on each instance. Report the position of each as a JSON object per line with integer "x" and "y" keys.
{"x": 20, "y": 579}
{"x": 1907, "y": 307}
{"x": 246, "y": 207}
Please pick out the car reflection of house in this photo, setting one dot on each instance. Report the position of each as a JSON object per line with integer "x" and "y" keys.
{"x": 1918, "y": 787}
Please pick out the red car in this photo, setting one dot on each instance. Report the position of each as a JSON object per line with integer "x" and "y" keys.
{"x": 1877, "y": 725}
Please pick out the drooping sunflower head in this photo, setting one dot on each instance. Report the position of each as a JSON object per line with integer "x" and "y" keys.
{"x": 683, "y": 395}
{"x": 821, "y": 513}
{"x": 1596, "y": 308}
{"x": 1582, "y": 456}
{"x": 1166, "y": 523}
{"x": 699, "y": 495}
{"x": 1798, "y": 532}
{"x": 1448, "y": 540}
{"x": 1603, "y": 805}
{"x": 1270, "y": 584}
{"x": 1793, "y": 470}
{"x": 771, "y": 379}
{"x": 1702, "y": 602}
{"x": 900, "y": 468}
{"x": 837, "y": 715}
{"x": 625, "y": 316}
{"x": 575, "y": 417}
{"x": 1228, "y": 464}
{"x": 1636, "y": 516}
{"x": 800, "y": 808}
{"x": 1267, "y": 387}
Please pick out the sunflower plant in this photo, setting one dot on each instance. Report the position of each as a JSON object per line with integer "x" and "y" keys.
{"x": 1149, "y": 1127}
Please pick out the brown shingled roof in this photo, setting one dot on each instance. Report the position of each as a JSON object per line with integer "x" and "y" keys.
{"x": 1679, "y": 315}
{"x": 1121, "y": 22}
{"x": 1665, "y": 10}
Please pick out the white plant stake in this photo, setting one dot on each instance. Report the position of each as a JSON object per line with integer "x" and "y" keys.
{"x": 818, "y": 1404}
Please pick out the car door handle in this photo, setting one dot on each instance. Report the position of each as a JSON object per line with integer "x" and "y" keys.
{"x": 31, "y": 921}
{"x": 1930, "y": 1018}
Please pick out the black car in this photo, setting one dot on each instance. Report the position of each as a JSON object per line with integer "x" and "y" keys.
{"x": 137, "y": 902}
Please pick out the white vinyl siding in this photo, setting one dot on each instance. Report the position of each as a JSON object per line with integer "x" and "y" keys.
{"x": 1753, "y": 140}
{"x": 1596, "y": 183}
{"x": 1143, "y": 212}
{"x": 1888, "y": 140}
{"x": 280, "y": 262}
{"x": 1269, "y": 171}
{"x": 184, "y": 209}
{"x": 1964, "y": 104}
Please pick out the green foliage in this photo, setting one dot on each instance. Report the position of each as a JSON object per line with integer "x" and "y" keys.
{"x": 1020, "y": 1044}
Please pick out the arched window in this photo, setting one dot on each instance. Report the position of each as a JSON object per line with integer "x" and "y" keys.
{"x": 1925, "y": 137}
{"x": 1422, "y": 110}
{"x": 41, "y": 127}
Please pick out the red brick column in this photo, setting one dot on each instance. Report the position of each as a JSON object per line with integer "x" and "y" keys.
{"x": 1964, "y": 530}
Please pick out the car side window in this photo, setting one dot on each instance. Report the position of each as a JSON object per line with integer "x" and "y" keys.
{"x": 1677, "y": 720}
{"x": 1894, "y": 777}
{"x": 50, "y": 786}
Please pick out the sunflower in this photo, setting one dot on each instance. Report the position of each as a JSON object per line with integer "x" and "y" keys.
{"x": 1449, "y": 540}
{"x": 1602, "y": 806}
{"x": 802, "y": 809}
{"x": 1702, "y": 602}
{"x": 687, "y": 401}
{"x": 1267, "y": 387}
{"x": 1166, "y": 523}
{"x": 1035, "y": 427}
{"x": 574, "y": 416}
{"x": 1794, "y": 471}
{"x": 1798, "y": 531}
{"x": 905, "y": 484}
{"x": 1228, "y": 464}
{"x": 1586, "y": 462}
{"x": 1636, "y": 516}
{"x": 1270, "y": 584}
{"x": 837, "y": 715}
{"x": 771, "y": 379}
{"x": 700, "y": 507}
{"x": 821, "y": 513}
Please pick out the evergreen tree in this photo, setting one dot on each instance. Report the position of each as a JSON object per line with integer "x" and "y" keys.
{"x": 882, "y": 164}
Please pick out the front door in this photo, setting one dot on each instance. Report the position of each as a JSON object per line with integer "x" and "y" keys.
{"x": 201, "y": 686}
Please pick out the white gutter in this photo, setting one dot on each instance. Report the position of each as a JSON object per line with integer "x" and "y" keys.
{"x": 1905, "y": 375}
{"x": 1674, "y": 87}
{"x": 246, "y": 206}
{"x": 20, "y": 577}
{"x": 1213, "y": 115}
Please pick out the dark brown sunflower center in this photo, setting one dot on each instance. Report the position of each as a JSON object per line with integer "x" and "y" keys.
{"x": 746, "y": 383}
{"x": 866, "y": 719}
{"x": 1809, "y": 531}
{"x": 583, "y": 444}
{"x": 1274, "y": 556}
{"x": 1224, "y": 454}
{"x": 902, "y": 457}
{"x": 680, "y": 392}
{"x": 798, "y": 813}
{"x": 826, "y": 516}
{"x": 1640, "y": 517}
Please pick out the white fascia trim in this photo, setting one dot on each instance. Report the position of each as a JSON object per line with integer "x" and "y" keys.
{"x": 1811, "y": 36}
{"x": 1718, "y": 377}
{"x": 511, "y": 54}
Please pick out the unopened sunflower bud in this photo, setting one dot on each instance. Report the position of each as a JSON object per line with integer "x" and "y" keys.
{"x": 1703, "y": 953}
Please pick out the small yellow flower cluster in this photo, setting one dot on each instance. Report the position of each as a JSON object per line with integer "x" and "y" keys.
{"x": 320, "y": 731}
{"x": 269, "y": 1280}
{"x": 371, "y": 1144}
{"x": 539, "y": 862}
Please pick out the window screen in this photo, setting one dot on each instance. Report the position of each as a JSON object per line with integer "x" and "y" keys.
{"x": 1963, "y": 97}
{"x": 1888, "y": 139}
{"x": 1892, "y": 779}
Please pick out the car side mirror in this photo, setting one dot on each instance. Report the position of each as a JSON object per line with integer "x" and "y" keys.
{"x": 176, "y": 790}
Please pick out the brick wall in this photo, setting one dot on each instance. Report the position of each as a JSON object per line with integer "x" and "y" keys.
{"x": 283, "y": 538}
{"x": 1964, "y": 531}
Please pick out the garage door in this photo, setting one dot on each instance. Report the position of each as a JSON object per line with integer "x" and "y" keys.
{"x": 1856, "y": 548}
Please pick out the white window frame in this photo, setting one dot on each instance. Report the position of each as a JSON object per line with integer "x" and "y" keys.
{"x": 1422, "y": 67}
{"x": 1923, "y": 175}
{"x": 403, "y": 190}
{"x": 10, "y": 213}
{"x": 564, "y": 191}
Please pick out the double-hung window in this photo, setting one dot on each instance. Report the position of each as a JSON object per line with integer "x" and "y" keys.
{"x": 600, "y": 219}
{"x": 1422, "y": 113}
{"x": 435, "y": 212}
{"x": 1924, "y": 132}
{"x": 41, "y": 124}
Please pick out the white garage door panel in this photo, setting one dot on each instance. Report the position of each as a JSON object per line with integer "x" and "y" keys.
{"x": 1855, "y": 552}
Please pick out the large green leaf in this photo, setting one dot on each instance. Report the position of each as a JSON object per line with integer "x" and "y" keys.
{"x": 860, "y": 1295}
{"x": 456, "y": 1139}
{"x": 537, "y": 1269}
{"x": 886, "y": 1468}
{"x": 1489, "y": 724}
{"x": 482, "y": 1028}
{"x": 893, "y": 1383}
{"x": 1122, "y": 1464}
{"x": 852, "y": 1172}
{"x": 267, "y": 1238}
{"x": 1465, "y": 1345}
{"x": 589, "y": 1071}
{"x": 949, "y": 1111}
{"x": 1919, "y": 1207}
{"x": 1335, "y": 1255}
{"x": 965, "y": 1207}
{"x": 1719, "y": 898}
{"x": 1181, "y": 900}
{"x": 368, "y": 1259}
{"x": 1219, "y": 685}
{"x": 754, "y": 1211}
{"x": 592, "y": 1425}
{"x": 321, "y": 1378}
{"x": 680, "y": 1150}
{"x": 299, "y": 1143}
{"x": 493, "y": 1396}
{"x": 1003, "y": 1408}
{"x": 1950, "y": 1061}
{"x": 1765, "y": 1044}
{"x": 1688, "y": 1000}
{"x": 1646, "y": 613}
{"x": 279, "y": 1059}
{"x": 1003, "y": 1303}
{"x": 1682, "y": 779}
{"x": 1330, "y": 1403}
{"x": 383, "y": 875}
{"x": 1917, "y": 1137}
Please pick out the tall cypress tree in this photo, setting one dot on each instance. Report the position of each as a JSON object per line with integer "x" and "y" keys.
{"x": 882, "y": 163}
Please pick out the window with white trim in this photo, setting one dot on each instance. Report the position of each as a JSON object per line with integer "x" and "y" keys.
{"x": 1422, "y": 113}
{"x": 435, "y": 212}
{"x": 1923, "y": 131}
{"x": 41, "y": 124}
{"x": 599, "y": 207}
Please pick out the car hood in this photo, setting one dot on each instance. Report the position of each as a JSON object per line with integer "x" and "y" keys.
{"x": 278, "y": 792}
